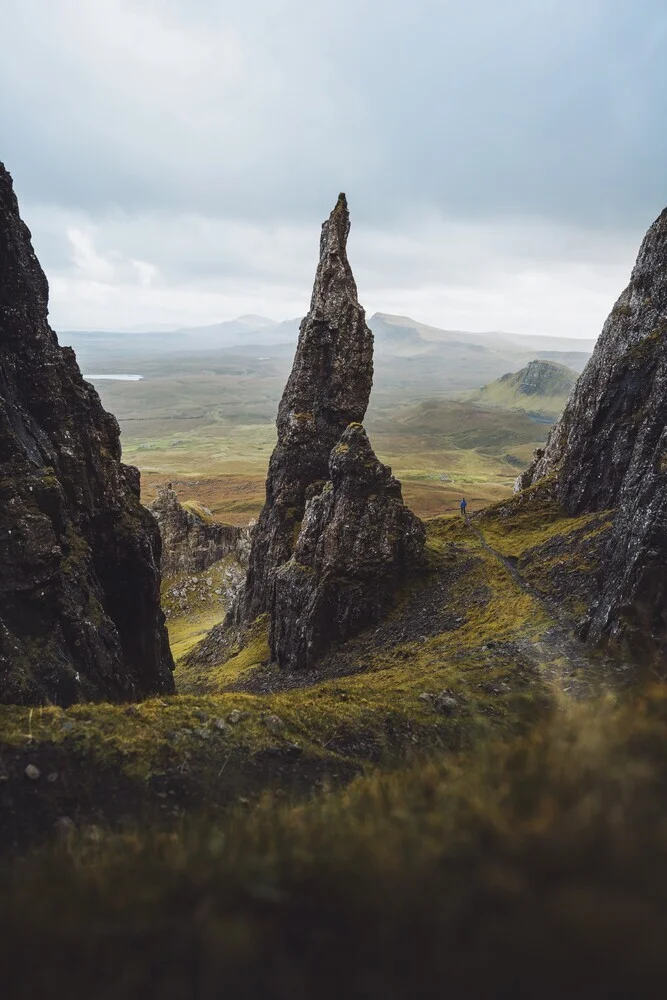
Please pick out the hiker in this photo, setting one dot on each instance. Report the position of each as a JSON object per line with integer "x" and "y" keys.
{"x": 463, "y": 506}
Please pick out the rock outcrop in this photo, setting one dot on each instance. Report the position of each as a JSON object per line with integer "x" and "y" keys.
{"x": 191, "y": 539}
{"x": 328, "y": 388}
{"x": 357, "y": 543}
{"x": 334, "y": 538}
{"x": 609, "y": 450}
{"x": 80, "y": 613}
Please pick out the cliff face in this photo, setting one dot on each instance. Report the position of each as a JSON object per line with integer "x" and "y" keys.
{"x": 191, "y": 541}
{"x": 80, "y": 613}
{"x": 328, "y": 388}
{"x": 357, "y": 542}
{"x": 609, "y": 450}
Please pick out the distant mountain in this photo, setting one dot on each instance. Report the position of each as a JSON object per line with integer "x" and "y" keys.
{"x": 401, "y": 330}
{"x": 405, "y": 350}
{"x": 97, "y": 350}
{"x": 541, "y": 387}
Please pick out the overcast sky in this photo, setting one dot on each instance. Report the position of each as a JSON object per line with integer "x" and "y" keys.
{"x": 174, "y": 159}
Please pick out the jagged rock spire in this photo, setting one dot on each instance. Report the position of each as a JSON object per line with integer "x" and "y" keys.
{"x": 357, "y": 542}
{"x": 609, "y": 450}
{"x": 328, "y": 388}
{"x": 80, "y": 609}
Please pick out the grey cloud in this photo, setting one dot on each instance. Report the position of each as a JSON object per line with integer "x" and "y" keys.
{"x": 264, "y": 110}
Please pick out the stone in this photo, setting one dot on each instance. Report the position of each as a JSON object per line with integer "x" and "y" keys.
{"x": 274, "y": 724}
{"x": 445, "y": 703}
{"x": 358, "y": 541}
{"x": 222, "y": 727}
{"x": 32, "y": 772}
{"x": 191, "y": 539}
{"x": 609, "y": 450}
{"x": 234, "y": 716}
{"x": 328, "y": 388}
{"x": 80, "y": 614}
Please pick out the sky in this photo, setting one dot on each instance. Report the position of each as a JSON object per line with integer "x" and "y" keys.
{"x": 174, "y": 160}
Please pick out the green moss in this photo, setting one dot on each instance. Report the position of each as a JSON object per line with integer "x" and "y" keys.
{"x": 555, "y": 836}
{"x": 193, "y": 507}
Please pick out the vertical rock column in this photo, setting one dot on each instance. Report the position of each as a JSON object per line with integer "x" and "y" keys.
{"x": 328, "y": 388}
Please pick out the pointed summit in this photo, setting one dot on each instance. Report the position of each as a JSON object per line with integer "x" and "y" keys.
{"x": 328, "y": 388}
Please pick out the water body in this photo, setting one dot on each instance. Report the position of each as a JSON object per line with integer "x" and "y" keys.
{"x": 115, "y": 378}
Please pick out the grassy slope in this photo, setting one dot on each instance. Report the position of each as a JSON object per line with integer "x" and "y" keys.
{"x": 440, "y": 449}
{"x": 539, "y": 847}
{"x": 367, "y": 711}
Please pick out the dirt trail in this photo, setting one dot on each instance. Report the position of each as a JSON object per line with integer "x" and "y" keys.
{"x": 567, "y": 662}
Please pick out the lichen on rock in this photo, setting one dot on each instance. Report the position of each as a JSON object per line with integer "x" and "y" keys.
{"x": 80, "y": 614}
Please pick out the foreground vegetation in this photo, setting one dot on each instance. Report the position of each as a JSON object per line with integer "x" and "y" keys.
{"x": 533, "y": 867}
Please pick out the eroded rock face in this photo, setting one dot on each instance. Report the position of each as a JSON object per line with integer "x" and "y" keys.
{"x": 609, "y": 450}
{"x": 328, "y": 388}
{"x": 80, "y": 613}
{"x": 191, "y": 540}
{"x": 357, "y": 542}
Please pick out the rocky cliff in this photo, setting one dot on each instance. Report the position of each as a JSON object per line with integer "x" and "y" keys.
{"x": 80, "y": 613}
{"x": 609, "y": 450}
{"x": 191, "y": 540}
{"x": 328, "y": 388}
{"x": 357, "y": 542}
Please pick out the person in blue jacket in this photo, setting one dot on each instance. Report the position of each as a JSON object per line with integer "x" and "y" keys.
{"x": 463, "y": 506}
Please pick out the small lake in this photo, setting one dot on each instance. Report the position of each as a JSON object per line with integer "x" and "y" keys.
{"x": 115, "y": 378}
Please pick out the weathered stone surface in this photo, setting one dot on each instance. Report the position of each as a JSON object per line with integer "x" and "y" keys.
{"x": 191, "y": 540}
{"x": 609, "y": 450}
{"x": 80, "y": 613}
{"x": 357, "y": 542}
{"x": 328, "y": 388}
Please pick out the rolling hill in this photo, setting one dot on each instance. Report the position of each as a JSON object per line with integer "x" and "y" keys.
{"x": 542, "y": 387}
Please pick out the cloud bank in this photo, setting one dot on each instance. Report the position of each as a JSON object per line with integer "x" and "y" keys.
{"x": 174, "y": 161}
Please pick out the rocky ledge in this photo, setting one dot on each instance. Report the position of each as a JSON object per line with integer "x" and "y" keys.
{"x": 191, "y": 539}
